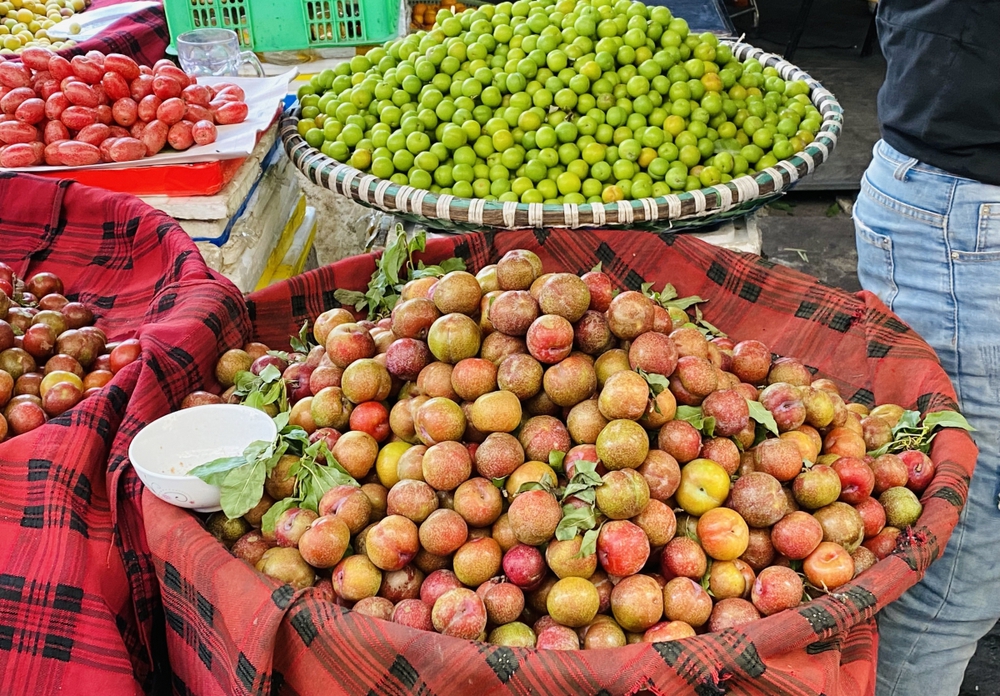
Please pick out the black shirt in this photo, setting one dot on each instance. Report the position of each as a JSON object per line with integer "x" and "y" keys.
{"x": 940, "y": 102}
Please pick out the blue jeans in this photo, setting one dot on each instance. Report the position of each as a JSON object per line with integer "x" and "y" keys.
{"x": 929, "y": 247}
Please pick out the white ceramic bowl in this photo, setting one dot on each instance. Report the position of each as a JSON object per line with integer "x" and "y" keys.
{"x": 166, "y": 449}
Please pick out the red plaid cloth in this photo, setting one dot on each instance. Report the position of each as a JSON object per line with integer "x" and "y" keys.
{"x": 232, "y": 631}
{"x": 79, "y": 601}
{"x": 142, "y": 35}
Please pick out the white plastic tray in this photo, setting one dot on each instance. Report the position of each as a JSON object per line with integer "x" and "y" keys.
{"x": 263, "y": 96}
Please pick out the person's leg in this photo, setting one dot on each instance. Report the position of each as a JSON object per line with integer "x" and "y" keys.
{"x": 929, "y": 246}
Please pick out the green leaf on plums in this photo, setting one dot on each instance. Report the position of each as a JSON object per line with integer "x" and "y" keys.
{"x": 214, "y": 471}
{"x": 576, "y": 520}
{"x": 338, "y": 471}
{"x": 275, "y": 454}
{"x": 257, "y": 448}
{"x": 690, "y": 414}
{"x": 281, "y": 420}
{"x": 257, "y": 391}
{"x": 394, "y": 256}
{"x": 270, "y": 517}
{"x": 705, "y": 327}
{"x": 694, "y": 416}
{"x": 760, "y": 434}
{"x": 597, "y": 268}
{"x": 452, "y": 264}
{"x": 296, "y": 438}
{"x": 708, "y": 426}
{"x": 683, "y": 302}
{"x": 499, "y": 482}
{"x": 876, "y": 453}
{"x": 270, "y": 374}
{"x": 667, "y": 297}
{"x": 947, "y": 419}
{"x": 909, "y": 420}
{"x": 532, "y": 486}
{"x": 351, "y": 298}
{"x": 657, "y": 383}
{"x": 273, "y": 393}
{"x": 242, "y": 489}
{"x": 589, "y": 545}
{"x": 556, "y": 459}
{"x": 389, "y": 277}
{"x": 910, "y": 433}
{"x": 436, "y": 271}
{"x": 584, "y": 483}
{"x": 761, "y": 415}
{"x": 333, "y": 474}
{"x": 586, "y": 469}
{"x": 301, "y": 342}
{"x": 315, "y": 473}
{"x": 244, "y": 381}
{"x": 313, "y": 493}
{"x": 282, "y": 355}
{"x": 254, "y": 400}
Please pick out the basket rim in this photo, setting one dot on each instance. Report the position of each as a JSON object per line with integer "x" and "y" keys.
{"x": 382, "y": 194}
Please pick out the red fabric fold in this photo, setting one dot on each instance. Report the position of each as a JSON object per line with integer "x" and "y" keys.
{"x": 79, "y": 599}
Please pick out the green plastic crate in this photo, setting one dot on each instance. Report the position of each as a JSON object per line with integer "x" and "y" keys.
{"x": 288, "y": 25}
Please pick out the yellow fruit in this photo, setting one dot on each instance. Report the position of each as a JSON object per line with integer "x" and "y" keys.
{"x": 57, "y": 376}
{"x": 388, "y": 458}
{"x": 704, "y": 486}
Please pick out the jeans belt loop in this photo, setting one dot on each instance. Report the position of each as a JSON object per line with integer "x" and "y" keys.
{"x": 904, "y": 168}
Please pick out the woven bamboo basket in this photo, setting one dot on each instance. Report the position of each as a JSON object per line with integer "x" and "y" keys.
{"x": 686, "y": 211}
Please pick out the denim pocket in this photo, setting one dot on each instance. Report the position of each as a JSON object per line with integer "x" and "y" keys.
{"x": 987, "y": 247}
{"x": 937, "y": 195}
{"x": 875, "y": 264}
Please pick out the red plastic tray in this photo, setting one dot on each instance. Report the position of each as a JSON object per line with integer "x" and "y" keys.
{"x": 200, "y": 179}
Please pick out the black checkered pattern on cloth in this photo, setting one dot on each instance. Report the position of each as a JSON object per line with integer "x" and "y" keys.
{"x": 264, "y": 638}
{"x": 79, "y": 599}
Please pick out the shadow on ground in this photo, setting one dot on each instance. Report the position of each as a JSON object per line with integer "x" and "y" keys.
{"x": 812, "y": 233}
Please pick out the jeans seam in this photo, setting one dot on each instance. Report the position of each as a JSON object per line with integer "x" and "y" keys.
{"x": 982, "y": 227}
{"x": 890, "y": 203}
{"x": 957, "y": 540}
{"x": 865, "y": 231}
{"x": 956, "y": 543}
{"x": 951, "y": 290}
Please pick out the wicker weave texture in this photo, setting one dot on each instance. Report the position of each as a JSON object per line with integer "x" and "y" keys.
{"x": 682, "y": 211}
